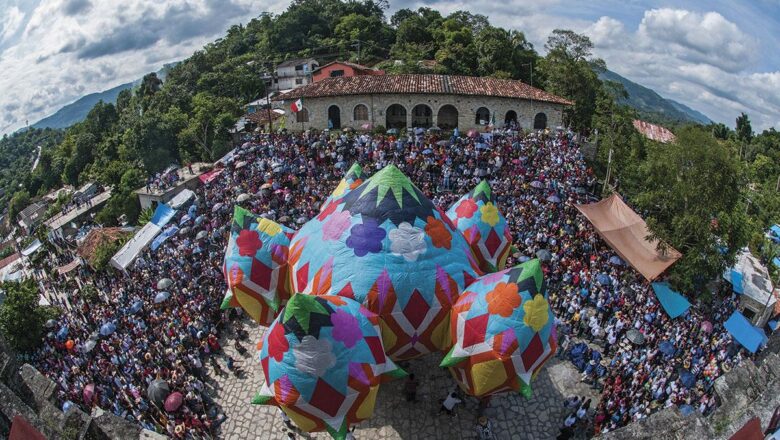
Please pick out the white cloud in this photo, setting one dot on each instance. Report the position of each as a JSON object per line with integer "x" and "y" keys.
{"x": 10, "y": 22}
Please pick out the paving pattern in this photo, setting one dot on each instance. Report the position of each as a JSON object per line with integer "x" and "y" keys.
{"x": 513, "y": 417}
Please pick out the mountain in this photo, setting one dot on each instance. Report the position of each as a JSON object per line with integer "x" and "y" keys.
{"x": 651, "y": 106}
{"x": 78, "y": 109}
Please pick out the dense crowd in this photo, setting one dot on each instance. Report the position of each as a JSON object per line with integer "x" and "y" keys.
{"x": 537, "y": 178}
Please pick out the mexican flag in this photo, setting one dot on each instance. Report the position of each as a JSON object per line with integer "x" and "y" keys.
{"x": 297, "y": 106}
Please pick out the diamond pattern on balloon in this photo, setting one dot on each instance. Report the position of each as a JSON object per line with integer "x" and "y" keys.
{"x": 326, "y": 398}
{"x": 493, "y": 242}
{"x": 474, "y": 331}
{"x": 416, "y": 309}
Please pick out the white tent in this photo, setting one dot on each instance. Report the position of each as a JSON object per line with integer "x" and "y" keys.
{"x": 122, "y": 259}
{"x": 181, "y": 198}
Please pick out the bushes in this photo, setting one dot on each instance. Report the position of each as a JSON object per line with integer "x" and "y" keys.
{"x": 21, "y": 318}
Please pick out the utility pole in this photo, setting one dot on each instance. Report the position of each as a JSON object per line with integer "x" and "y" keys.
{"x": 609, "y": 169}
{"x": 357, "y": 45}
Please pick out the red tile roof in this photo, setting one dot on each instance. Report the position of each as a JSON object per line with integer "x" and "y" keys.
{"x": 422, "y": 84}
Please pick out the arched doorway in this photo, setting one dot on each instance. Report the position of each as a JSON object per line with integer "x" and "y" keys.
{"x": 447, "y": 118}
{"x": 360, "y": 113}
{"x": 482, "y": 117}
{"x": 334, "y": 117}
{"x": 422, "y": 116}
{"x": 510, "y": 120}
{"x": 540, "y": 121}
{"x": 395, "y": 116}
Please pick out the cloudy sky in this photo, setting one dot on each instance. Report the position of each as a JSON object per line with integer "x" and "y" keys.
{"x": 719, "y": 57}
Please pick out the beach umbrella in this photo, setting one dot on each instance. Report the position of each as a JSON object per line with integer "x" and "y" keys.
{"x": 544, "y": 255}
{"x": 635, "y": 336}
{"x": 157, "y": 392}
{"x": 615, "y": 260}
{"x": 51, "y": 323}
{"x": 553, "y": 198}
{"x": 107, "y": 328}
{"x": 160, "y": 297}
{"x": 687, "y": 378}
{"x": 201, "y": 235}
{"x": 706, "y": 326}
{"x": 242, "y": 198}
{"x": 164, "y": 283}
{"x": 173, "y": 401}
{"x": 88, "y": 393}
{"x": 88, "y": 346}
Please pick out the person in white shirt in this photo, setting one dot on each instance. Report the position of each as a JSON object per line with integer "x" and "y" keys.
{"x": 449, "y": 403}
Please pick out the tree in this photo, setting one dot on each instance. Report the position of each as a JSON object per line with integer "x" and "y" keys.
{"x": 744, "y": 130}
{"x": 720, "y": 131}
{"x": 209, "y": 126}
{"x": 21, "y": 318}
{"x": 19, "y": 201}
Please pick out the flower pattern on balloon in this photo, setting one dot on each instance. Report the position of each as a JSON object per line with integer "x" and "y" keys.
{"x": 277, "y": 343}
{"x": 269, "y": 227}
{"x": 466, "y": 209}
{"x": 366, "y": 237}
{"x": 503, "y": 299}
{"x": 335, "y": 226}
{"x": 440, "y": 236}
{"x": 536, "y": 312}
{"x": 408, "y": 241}
{"x": 489, "y": 214}
{"x": 248, "y": 243}
{"x": 346, "y": 328}
{"x": 314, "y": 356}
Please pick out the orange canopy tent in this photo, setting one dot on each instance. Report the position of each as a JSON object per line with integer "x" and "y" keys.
{"x": 627, "y": 233}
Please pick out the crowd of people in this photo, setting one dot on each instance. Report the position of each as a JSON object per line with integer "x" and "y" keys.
{"x": 120, "y": 342}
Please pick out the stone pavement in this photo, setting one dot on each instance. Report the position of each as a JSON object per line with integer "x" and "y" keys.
{"x": 513, "y": 417}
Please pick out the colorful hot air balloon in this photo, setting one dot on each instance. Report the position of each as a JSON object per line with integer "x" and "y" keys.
{"x": 503, "y": 332}
{"x": 255, "y": 265}
{"x": 351, "y": 180}
{"x": 485, "y": 228}
{"x": 323, "y": 361}
{"x": 388, "y": 247}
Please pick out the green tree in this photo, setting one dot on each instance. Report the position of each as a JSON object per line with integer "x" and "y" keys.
{"x": 21, "y": 318}
{"x": 19, "y": 201}
{"x": 209, "y": 126}
{"x": 720, "y": 131}
{"x": 744, "y": 130}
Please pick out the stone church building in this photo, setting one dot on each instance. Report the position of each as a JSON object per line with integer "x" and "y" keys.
{"x": 406, "y": 101}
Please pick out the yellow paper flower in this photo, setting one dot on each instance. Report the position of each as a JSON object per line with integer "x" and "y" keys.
{"x": 268, "y": 227}
{"x": 489, "y": 214}
{"x": 536, "y": 313}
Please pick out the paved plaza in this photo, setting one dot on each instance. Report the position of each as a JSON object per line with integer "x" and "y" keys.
{"x": 513, "y": 416}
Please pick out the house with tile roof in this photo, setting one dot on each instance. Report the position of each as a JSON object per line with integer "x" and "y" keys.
{"x": 338, "y": 69}
{"x": 424, "y": 101}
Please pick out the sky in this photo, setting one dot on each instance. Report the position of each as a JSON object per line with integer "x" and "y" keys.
{"x": 719, "y": 57}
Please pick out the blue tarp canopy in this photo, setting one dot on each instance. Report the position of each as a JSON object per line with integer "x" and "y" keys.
{"x": 164, "y": 236}
{"x": 776, "y": 261}
{"x": 734, "y": 277}
{"x": 775, "y": 230}
{"x": 163, "y": 214}
{"x": 744, "y": 332}
{"x": 674, "y": 303}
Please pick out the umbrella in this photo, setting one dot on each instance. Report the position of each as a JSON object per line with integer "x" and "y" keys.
{"x": 200, "y": 219}
{"x": 472, "y": 133}
{"x": 62, "y": 333}
{"x": 686, "y": 410}
{"x": 602, "y": 279}
{"x": 88, "y": 346}
{"x": 667, "y": 348}
{"x": 162, "y": 296}
{"x": 284, "y": 219}
{"x": 157, "y": 392}
{"x": 616, "y": 260}
{"x": 107, "y": 328}
{"x": 201, "y": 235}
{"x": 554, "y": 199}
{"x": 216, "y": 207}
{"x": 419, "y": 130}
{"x": 173, "y": 401}
{"x": 184, "y": 231}
{"x": 136, "y": 307}
{"x": 242, "y": 198}
{"x": 51, "y": 323}
{"x": 67, "y": 405}
{"x": 241, "y": 164}
{"x": 301, "y": 220}
{"x": 544, "y": 255}
{"x": 537, "y": 184}
{"x": 524, "y": 258}
{"x": 442, "y": 143}
{"x": 366, "y": 126}
{"x": 88, "y": 393}
{"x": 706, "y": 326}
{"x": 164, "y": 283}
{"x": 635, "y": 336}
{"x": 266, "y": 186}
{"x": 687, "y": 378}
{"x": 392, "y": 131}
{"x": 434, "y": 129}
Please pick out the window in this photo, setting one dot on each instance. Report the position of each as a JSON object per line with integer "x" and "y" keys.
{"x": 298, "y": 81}
{"x": 360, "y": 113}
{"x": 336, "y": 73}
{"x": 302, "y": 116}
{"x": 299, "y": 67}
{"x": 482, "y": 116}
{"x": 749, "y": 313}
{"x": 422, "y": 116}
{"x": 448, "y": 117}
{"x": 540, "y": 121}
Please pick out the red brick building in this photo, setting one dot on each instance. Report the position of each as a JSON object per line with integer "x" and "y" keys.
{"x": 336, "y": 69}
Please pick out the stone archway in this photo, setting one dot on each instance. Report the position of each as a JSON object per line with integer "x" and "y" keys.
{"x": 334, "y": 117}
{"x": 422, "y": 116}
{"x": 482, "y": 116}
{"x": 540, "y": 121}
{"x": 395, "y": 117}
{"x": 447, "y": 118}
{"x": 511, "y": 118}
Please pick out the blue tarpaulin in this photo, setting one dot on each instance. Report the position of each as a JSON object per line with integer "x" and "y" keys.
{"x": 775, "y": 230}
{"x": 163, "y": 214}
{"x": 734, "y": 277}
{"x": 744, "y": 332}
{"x": 776, "y": 261}
{"x": 164, "y": 236}
{"x": 674, "y": 303}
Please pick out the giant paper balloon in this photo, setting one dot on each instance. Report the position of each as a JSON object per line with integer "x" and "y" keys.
{"x": 351, "y": 180}
{"x": 255, "y": 265}
{"x": 388, "y": 247}
{"x": 503, "y": 329}
{"x": 485, "y": 228}
{"x": 323, "y": 361}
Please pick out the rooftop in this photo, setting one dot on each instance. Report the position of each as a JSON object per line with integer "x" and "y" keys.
{"x": 422, "y": 84}
{"x": 295, "y": 62}
{"x": 61, "y": 220}
{"x": 347, "y": 63}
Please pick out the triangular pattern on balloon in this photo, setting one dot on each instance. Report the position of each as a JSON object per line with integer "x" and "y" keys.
{"x": 255, "y": 265}
{"x": 323, "y": 361}
{"x": 503, "y": 331}
{"x": 387, "y": 246}
{"x": 351, "y": 180}
{"x": 477, "y": 216}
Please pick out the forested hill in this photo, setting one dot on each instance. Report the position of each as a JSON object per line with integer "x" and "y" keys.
{"x": 17, "y": 155}
{"x": 653, "y": 107}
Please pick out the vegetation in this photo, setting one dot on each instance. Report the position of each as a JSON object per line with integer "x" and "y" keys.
{"x": 22, "y": 320}
{"x": 105, "y": 251}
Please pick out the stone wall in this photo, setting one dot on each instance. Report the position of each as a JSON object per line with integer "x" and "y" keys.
{"x": 748, "y": 391}
{"x": 466, "y": 107}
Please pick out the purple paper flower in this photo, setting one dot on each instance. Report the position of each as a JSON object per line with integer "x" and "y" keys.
{"x": 345, "y": 328}
{"x": 366, "y": 237}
